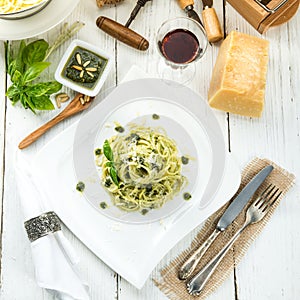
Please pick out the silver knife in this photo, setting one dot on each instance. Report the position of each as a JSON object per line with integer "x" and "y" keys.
{"x": 232, "y": 211}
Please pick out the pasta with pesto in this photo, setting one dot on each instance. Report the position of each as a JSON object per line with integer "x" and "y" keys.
{"x": 147, "y": 166}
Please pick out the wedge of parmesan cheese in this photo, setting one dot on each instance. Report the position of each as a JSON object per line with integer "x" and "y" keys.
{"x": 239, "y": 75}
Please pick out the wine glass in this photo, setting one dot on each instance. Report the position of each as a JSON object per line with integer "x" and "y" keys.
{"x": 181, "y": 42}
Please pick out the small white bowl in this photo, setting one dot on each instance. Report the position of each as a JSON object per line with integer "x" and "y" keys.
{"x": 66, "y": 61}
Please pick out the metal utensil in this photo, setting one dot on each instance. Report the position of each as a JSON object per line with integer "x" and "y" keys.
{"x": 122, "y": 32}
{"x": 227, "y": 218}
{"x": 139, "y": 5}
{"x": 188, "y": 7}
{"x": 258, "y": 209}
{"x": 211, "y": 22}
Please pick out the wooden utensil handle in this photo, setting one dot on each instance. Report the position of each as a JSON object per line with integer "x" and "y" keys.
{"x": 212, "y": 25}
{"x": 184, "y": 3}
{"x": 31, "y": 138}
{"x": 122, "y": 33}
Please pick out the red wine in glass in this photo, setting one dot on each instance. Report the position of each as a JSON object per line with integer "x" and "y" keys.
{"x": 180, "y": 46}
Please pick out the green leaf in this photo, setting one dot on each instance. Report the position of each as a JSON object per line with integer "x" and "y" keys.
{"x": 27, "y": 103}
{"x": 19, "y": 61}
{"x": 43, "y": 88}
{"x": 35, "y": 52}
{"x": 108, "y": 151}
{"x": 53, "y": 87}
{"x": 16, "y": 77}
{"x": 12, "y": 92}
{"x": 23, "y": 100}
{"x": 34, "y": 71}
{"x": 12, "y": 67}
{"x": 109, "y": 164}
{"x": 42, "y": 103}
{"x": 114, "y": 175}
{"x": 15, "y": 99}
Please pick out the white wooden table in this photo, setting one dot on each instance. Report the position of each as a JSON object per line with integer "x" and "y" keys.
{"x": 270, "y": 269}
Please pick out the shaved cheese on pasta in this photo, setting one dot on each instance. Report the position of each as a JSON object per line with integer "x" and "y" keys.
{"x": 10, "y": 6}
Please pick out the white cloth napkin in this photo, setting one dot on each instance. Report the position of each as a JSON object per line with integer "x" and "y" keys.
{"x": 53, "y": 256}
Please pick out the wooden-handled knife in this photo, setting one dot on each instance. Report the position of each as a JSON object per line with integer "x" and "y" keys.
{"x": 211, "y": 22}
{"x": 188, "y": 7}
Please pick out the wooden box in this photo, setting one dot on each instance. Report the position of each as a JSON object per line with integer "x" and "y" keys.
{"x": 262, "y": 14}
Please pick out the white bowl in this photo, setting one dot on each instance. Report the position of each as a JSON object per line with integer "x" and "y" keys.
{"x": 79, "y": 86}
{"x": 24, "y": 13}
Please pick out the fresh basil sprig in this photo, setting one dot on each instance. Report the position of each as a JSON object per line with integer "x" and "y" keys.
{"x": 23, "y": 70}
{"x": 108, "y": 153}
{"x": 27, "y": 65}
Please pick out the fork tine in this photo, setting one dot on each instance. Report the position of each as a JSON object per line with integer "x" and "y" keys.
{"x": 271, "y": 198}
{"x": 272, "y": 201}
{"x": 261, "y": 198}
{"x": 268, "y": 197}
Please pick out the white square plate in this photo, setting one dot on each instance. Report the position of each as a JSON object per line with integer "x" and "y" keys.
{"x": 105, "y": 235}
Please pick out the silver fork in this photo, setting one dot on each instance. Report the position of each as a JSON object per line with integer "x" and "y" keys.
{"x": 258, "y": 209}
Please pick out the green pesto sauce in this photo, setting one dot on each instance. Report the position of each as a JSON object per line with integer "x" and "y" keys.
{"x": 91, "y": 66}
{"x": 184, "y": 160}
{"x": 98, "y": 151}
{"x": 155, "y": 117}
{"x": 119, "y": 129}
{"x": 187, "y": 196}
{"x": 80, "y": 186}
{"x": 103, "y": 205}
{"x": 144, "y": 211}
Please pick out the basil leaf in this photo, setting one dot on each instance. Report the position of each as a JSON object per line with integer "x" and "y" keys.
{"x": 17, "y": 77}
{"x": 35, "y": 52}
{"x": 42, "y": 103}
{"x": 27, "y": 102}
{"x": 109, "y": 164}
{"x": 108, "y": 151}
{"x": 44, "y": 88}
{"x": 114, "y": 176}
{"x": 53, "y": 87}
{"x": 14, "y": 99}
{"x": 23, "y": 100}
{"x": 12, "y": 67}
{"x": 34, "y": 71}
{"x": 12, "y": 92}
{"x": 19, "y": 61}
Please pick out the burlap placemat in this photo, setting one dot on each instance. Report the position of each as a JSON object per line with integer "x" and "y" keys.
{"x": 174, "y": 288}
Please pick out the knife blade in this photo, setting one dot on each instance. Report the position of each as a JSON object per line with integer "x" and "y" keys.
{"x": 237, "y": 205}
{"x": 231, "y": 212}
{"x": 188, "y": 7}
{"x": 192, "y": 14}
{"x": 211, "y": 22}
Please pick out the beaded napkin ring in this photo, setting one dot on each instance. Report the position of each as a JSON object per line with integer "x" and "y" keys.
{"x": 42, "y": 225}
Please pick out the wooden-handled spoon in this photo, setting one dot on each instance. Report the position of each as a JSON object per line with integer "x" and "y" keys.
{"x": 78, "y": 104}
